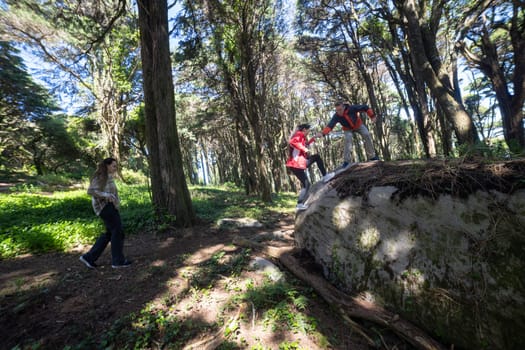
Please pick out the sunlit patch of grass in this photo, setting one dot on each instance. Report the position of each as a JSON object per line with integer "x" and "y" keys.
{"x": 294, "y": 345}
{"x": 137, "y": 212}
{"x": 35, "y": 222}
{"x": 281, "y": 304}
{"x": 38, "y": 223}
{"x": 215, "y": 202}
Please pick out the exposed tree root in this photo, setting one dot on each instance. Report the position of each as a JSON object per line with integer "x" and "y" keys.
{"x": 360, "y": 308}
{"x": 355, "y": 307}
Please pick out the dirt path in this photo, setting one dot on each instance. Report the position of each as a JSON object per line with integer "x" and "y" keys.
{"x": 54, "y": 301}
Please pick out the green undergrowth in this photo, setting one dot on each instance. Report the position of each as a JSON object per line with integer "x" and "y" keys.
{"x": 38, "y": 217}
{"x": 215, "y": 202}
{"x": 35, "y": 221}
{"x": 282, "y": 305}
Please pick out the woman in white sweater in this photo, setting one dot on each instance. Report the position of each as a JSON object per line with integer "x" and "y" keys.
{"x": 106, "y": 204}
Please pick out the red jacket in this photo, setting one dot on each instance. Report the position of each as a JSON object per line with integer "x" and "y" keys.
{"x": 297, "y": 151}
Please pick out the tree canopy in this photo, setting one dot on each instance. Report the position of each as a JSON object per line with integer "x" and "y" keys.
{"x": 29, "y": 134}
{"x": 445, "y": 78}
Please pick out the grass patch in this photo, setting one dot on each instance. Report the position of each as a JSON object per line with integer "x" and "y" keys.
{"x": 283, "y": 305}
{"x": 44, "y": 217}
{"x": 33, "y": 222}
{"x": 150, "y": 328}
{"x": 212, "y": 203}
{"x": 219, "y": 265}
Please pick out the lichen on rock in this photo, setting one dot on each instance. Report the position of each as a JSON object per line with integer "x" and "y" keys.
{"x": 441, "y": 243}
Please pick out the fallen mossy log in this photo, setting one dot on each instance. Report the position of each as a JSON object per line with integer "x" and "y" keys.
{"x": 351, "y": 306}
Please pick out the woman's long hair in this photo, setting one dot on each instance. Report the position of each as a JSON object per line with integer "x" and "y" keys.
{"x": 102, "y": 172}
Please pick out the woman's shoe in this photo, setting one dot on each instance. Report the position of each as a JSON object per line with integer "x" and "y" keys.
{"x": 88, "y": 263}
{"x": 126, "y": 263}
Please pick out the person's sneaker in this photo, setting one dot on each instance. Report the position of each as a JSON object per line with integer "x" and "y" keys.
{"x": 344, "y": 165}
{"x": 301, "y": 206}
{"x": 328, "y": 177}
{"x": 373, "y": 158}
{"x": 126, "y": 263}
{"x": 88, "y": 263}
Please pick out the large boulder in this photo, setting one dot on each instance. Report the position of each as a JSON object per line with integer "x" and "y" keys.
{"x": 441, "y": 244}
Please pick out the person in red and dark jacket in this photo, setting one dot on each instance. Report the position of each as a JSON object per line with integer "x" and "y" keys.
{"x": 299, "y": 160}
{"x": 348, "y": 116}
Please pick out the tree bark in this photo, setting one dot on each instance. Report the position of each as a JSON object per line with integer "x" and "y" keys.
{"x": 454, "y": 111}
{"x": 510, "y": 104}
{"x": 170, "y": 192}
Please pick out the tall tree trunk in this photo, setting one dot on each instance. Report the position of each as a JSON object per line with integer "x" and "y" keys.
{"x": 510, "y": 105}
{"x": 385, "y": 152}
{"x": 422, "y": 114}
{"x": 264, "y": 178}
{"x": 463, "y": 126}
{"x": 415, "y": 90}
{"x": 446, "y": 133}
{"x": 255, "y": 107}
{"x": 170, "y": 191}
{"x": 247, "y": 169}
{"x": 108, "y": 105}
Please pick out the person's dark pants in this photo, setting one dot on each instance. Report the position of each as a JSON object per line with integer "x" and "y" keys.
{"x": 303, "y": 177}
{"x": 114, "y": 234}
{"x": 315, "y": 158}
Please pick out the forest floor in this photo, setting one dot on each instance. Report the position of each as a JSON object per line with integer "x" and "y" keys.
{"x": 187, "y": 286}
{"x": 183, "y": 287}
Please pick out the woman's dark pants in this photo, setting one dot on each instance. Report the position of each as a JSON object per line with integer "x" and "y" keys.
{"x": 303, "y": 177}
{"x": 114, "y": 234}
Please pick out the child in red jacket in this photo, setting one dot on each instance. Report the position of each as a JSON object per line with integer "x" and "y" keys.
{"x": 299, "y": 160}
